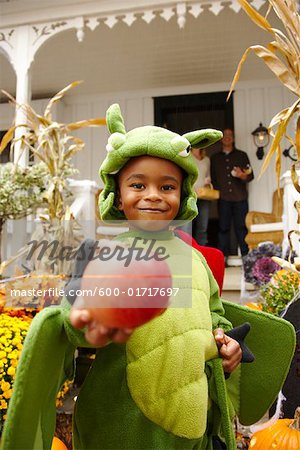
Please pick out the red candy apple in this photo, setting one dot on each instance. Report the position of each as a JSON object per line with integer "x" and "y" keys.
{"x": 126, "y": 295}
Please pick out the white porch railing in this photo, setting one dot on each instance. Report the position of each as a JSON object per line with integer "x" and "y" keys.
{"x": 83, "y": 207}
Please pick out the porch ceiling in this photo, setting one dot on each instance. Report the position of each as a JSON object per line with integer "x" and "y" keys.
{"x": 145, "y": 56}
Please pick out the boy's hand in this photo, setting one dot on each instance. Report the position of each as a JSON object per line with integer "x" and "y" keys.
{"x": 96, "y": 333}
{"x": 229, "y": 350}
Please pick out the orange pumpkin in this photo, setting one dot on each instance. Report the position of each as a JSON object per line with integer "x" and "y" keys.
{"x": 284, "y": 434}
{"x": 57, "y": 444}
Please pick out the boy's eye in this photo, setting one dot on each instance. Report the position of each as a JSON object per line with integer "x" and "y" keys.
{"x": 168, "y": 187}
{"x": 137, "y": 185}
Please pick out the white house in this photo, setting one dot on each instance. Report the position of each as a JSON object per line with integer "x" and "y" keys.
{"x": 132, "y": 51}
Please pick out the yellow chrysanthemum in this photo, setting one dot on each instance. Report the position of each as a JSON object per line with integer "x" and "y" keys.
{"x": 11, "y": 371}
{"x": 286, "y": 276}
{"x": 7, "y": 394}
{"x": 13, "y": 354}
{"x": 3, "y": 404}
{"x": 16, "y": 340}
{"x": 5, "y": 386}
{"x": 13, "y": 331}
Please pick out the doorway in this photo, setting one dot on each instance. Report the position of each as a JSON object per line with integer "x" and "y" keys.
{"x": 183, "y": 113}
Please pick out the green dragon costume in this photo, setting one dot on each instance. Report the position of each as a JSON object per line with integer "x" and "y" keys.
{"x": 165, "y": 388}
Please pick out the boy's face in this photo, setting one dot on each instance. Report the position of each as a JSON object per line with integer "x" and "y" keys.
{"x": 150, "y": 190}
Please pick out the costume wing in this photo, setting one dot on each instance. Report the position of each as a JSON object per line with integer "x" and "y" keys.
{"x": 255, "y": 386}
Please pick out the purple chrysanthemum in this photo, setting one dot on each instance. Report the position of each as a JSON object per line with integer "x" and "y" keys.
{"x": 263, "y": 270}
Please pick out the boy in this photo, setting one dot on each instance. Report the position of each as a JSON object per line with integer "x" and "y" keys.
{"x": 144, "y": 195}
{"x": 165, "y": 389}
{"x": 150, "y": 191}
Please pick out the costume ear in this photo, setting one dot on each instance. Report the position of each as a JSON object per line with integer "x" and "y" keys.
{"x": 203, "y": 138}
{"x": 114, "y": 119}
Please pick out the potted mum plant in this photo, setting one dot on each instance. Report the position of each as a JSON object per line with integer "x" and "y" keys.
{"x": 282, "y": 288}
{"x": 21, "y": 191}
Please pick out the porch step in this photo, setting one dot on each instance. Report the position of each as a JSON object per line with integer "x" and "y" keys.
{"x": 234, "y": 287}
{"x": 232, "y": 278}
{"x": 234, "y": 261}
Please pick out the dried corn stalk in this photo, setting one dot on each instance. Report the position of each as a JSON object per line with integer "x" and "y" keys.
{"x": 282, "y": 57}
{"x": 51, "y": 143}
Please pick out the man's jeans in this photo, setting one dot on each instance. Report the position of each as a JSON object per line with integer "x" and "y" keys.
{"x": 235, "y": 211}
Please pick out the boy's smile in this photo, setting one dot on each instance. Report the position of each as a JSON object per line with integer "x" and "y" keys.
{"x": 150, "y": 189}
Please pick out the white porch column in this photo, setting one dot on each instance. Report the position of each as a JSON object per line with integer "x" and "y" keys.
{"x": 20, "y": 45}
{"x": 23, "y": 96}
{"x": 290, "y": 215}
{"x": 23, "y": 58}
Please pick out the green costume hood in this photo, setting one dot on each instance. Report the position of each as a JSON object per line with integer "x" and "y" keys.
{"x": 151, "y": 141}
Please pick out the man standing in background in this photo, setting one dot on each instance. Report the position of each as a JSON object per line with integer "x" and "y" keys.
{"x": 230, "y": 173}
